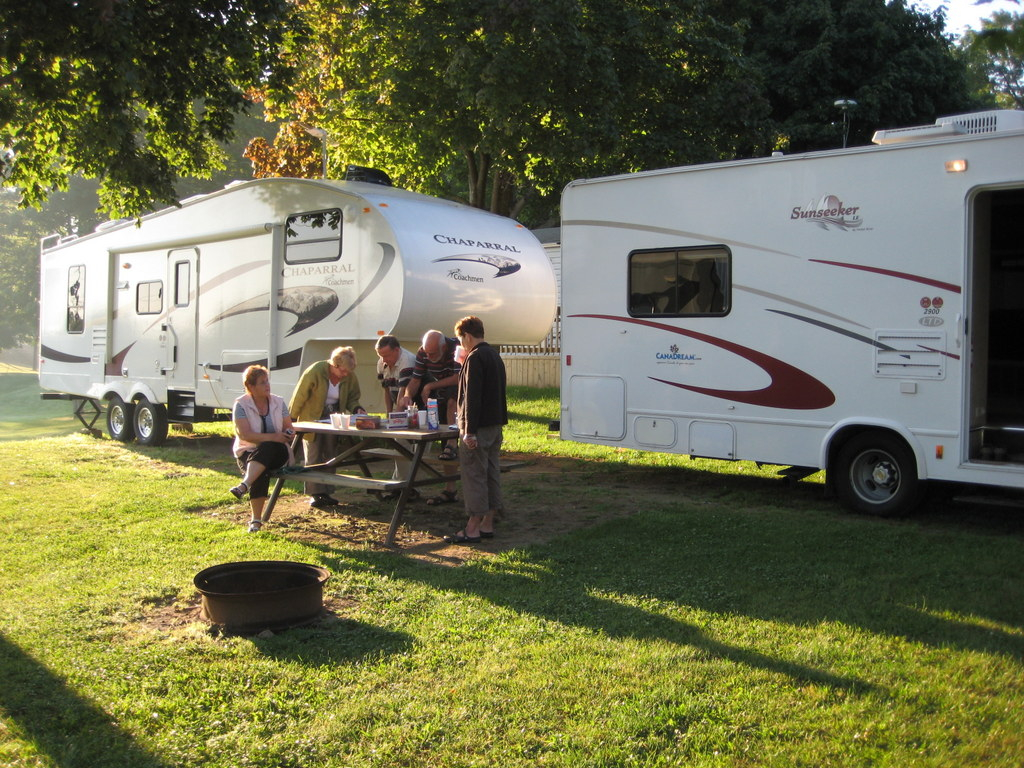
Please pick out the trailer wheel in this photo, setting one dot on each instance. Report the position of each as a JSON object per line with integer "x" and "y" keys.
{"x": 876, "y": 475}
{"x": 150, "y": 422}
{"x": 120, "y": 425}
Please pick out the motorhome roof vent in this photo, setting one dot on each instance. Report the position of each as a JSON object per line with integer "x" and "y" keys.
{"x": 369, "y": 175}
{"x": 103, "y": 226}
{"x": 973, "y": 123}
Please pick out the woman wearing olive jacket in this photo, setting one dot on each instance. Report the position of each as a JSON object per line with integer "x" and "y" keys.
{"x": 326, "y": 387}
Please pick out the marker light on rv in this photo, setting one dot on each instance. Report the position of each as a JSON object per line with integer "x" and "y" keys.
{"x": 956, "y": 166}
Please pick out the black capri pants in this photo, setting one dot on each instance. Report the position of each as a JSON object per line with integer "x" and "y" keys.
{"x": 272, "y": 456}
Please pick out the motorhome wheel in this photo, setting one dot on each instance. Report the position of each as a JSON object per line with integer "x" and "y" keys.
{"x": 120, "y": 425}
{"x": 876, "y": 475}
{"x": 150, "y": 422}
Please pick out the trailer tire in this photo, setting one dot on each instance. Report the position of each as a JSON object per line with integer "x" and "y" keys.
{"x": 120, "y": 420}
{"x": 876, "y": 474}
{"x": 150, "y": 422}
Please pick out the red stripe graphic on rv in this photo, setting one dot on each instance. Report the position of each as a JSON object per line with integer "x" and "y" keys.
{"x": 893, "y": 273}
{"x": 790, "y": 387}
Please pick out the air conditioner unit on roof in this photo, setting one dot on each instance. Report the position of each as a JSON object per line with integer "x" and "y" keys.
{"x": 974, "y": 123}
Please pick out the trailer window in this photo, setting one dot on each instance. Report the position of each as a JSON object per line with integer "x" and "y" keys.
{"x": 149, "y": 298}
{"x": 313, "y": 236}
{"x": 679, "y": 282}
{"x": 76, "y": 299}
{"x": 182, "y": 283}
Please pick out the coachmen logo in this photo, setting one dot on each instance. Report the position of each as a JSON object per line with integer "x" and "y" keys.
{"x": 828, "y": 213}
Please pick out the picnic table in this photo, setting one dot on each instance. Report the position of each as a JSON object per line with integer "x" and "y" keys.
{"x": 370, "y": 446}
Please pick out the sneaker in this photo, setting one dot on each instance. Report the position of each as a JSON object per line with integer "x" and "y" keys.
{"x": 323, "y": 501}
{"x": 240, "y": 490}
{"x": 255, "y": 526}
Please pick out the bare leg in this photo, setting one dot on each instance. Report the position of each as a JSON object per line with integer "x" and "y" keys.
{"x": 252, "y": 471}
{"x": 486, "y": 523}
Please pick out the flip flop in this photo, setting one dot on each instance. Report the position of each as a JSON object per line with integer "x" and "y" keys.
{"x": 486, "y": 534}
{"x": 461, "y": 538}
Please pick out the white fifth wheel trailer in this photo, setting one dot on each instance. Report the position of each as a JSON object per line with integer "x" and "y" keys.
{"x": 859, "y": 311}
{"x": 154, "y": 321}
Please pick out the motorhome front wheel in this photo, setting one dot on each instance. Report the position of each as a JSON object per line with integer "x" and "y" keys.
{"x": 875, "y": 474}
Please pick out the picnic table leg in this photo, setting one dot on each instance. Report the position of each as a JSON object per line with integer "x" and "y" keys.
{"x": 407, "y": 490}
{"x": 267, "y": 510}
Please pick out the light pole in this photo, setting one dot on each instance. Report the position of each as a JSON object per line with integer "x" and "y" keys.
{"x": 321, "y": 134}
{"x": 845, "y": 105}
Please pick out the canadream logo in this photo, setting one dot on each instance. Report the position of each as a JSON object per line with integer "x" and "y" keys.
{"x": 828, "y": 213}
{"x": 674, "y": 354}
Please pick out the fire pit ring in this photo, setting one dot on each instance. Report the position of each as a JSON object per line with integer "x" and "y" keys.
{"x": 254, "y": 595}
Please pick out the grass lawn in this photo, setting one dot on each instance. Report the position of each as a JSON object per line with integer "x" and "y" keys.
{"x": 726, "y": 622}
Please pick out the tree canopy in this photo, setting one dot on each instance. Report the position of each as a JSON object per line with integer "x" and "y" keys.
{"x": 894, "y": 61}
{"x": 504, "y": 99}
{"x": 136, "y": 93}
{"x": 999, "y": 48}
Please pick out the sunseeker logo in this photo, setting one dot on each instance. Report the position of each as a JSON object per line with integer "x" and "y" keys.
{"x": 675, "y": 356}
{"x": 828, "y": 213}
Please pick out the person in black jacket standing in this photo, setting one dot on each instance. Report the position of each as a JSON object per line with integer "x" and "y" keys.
{"x": 482, "y": 412}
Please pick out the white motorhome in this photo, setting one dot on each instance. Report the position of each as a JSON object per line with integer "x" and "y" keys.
{"x": 858, "y": 310}
{"x": 157, "y": 319}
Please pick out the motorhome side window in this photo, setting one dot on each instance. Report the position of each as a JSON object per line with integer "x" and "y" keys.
{"x": 679, "y": 282}
{"x": 149, "y": 298}
{"x": 76, "y": 299}
{"x": 313, "y": 236}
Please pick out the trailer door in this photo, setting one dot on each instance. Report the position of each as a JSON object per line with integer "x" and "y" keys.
{"x": 179, "y": 332}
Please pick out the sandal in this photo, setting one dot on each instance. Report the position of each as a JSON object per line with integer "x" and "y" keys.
{"x": 255, "y": 525}
{"x": 444, "y": 497}
{"x": 240, "y": 490}
{"x": 462, "y": 538}
{"x": 450, "y": 453}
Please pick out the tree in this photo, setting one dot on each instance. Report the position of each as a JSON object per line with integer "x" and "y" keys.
{"x": 74, "y": 212}
{"x": 999, "y": 48}
{"x": 501, "y": 101}
{"x": 18, "y": 275}
{"x": 136, "y": 93}
{"x": 895, "y": 62}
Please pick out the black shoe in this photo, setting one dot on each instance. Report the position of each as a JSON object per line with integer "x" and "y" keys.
{"x": 323, "y": 501}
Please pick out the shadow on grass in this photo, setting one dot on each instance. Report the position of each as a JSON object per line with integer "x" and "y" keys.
{"x": 334, "y": 641}
{"x": 65, "y": 728}
{"x": 943, "y": 590}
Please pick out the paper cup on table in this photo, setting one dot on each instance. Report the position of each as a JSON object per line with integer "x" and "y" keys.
{"x": 336, "y": 421}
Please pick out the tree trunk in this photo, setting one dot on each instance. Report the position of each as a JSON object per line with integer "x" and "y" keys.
{"x": 479, "y": 168}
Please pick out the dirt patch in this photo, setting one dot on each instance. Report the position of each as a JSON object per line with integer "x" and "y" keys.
{"x": 540, "y": 506}
{"x": 536, "y": 512}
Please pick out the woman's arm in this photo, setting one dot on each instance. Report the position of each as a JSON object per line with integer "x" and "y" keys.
{"x": 353, "y": 395}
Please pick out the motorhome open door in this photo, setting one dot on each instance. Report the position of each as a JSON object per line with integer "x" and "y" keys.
{"x": 996, "y": 313}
